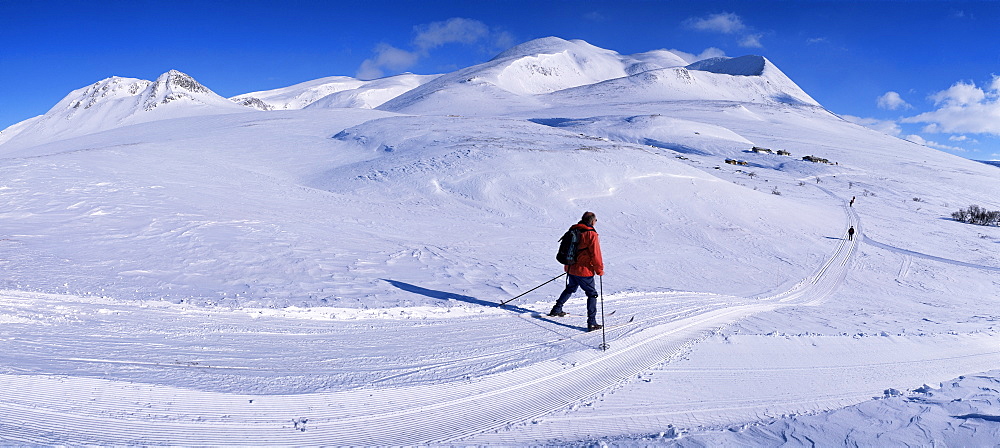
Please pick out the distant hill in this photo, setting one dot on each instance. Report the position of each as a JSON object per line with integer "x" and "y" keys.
{"x": 995, "y": 163}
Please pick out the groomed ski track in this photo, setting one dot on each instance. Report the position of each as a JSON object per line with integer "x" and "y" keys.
{"x": 387, "y": 410}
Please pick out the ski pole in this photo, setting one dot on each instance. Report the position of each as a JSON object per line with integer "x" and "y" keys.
{"x": 532, "y": 289}
{"x": 604, "y": 336}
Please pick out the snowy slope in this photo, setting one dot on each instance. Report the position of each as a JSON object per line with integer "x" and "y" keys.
{"x": 512, "y": 78}
{"x": 329, "y": 275}
{"x": 652, "y": 60}
{"x": 116, "y": 102}
{"x": 373, "y": 179}
{"x": 334, "y": 92}
{"x": 749, "y": 79}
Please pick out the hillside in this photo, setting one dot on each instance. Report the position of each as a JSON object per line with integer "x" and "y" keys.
{"x": 334, "y": 92}
{"x": 323, "y": 263}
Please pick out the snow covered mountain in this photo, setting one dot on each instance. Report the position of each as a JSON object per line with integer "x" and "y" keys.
{"x": 116, "y": 102}
{"x": 553, "y": 71}
{"x": 181, "y": 269}
{"x": 534, "y": 75}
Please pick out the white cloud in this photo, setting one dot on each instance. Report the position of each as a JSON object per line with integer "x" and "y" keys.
{"x": 386, "y": 57}
{"x": 922, "y": 141}
{"x": 429, "y": 36}
{"x": 995, "y": 84}
{"x": 960, "y": 94}
{"x": 964, "y": 108}
{"x": 962, "y": 138}
{"x": 594, "y": 16}
{"x": 454, "y": 30}
{"x": 884, "y": 126}
{"x": 708, "y": 53}
{"x": 726, "y": 23}
{"x": 892, "y": 101}
{"x": 751, "y": 41}
{"x": 502, "y": 40}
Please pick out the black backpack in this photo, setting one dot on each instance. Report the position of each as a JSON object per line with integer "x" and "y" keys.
{"x": 568, "y": 245}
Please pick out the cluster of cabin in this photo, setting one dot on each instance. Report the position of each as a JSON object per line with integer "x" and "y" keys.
{"x": 759, "y": 150}
{"x": 815, "y": 159}
{"x": 782, "y": 152}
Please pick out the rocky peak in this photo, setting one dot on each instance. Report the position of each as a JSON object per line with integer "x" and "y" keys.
{"x": 171, "y": 86}
{"x": 178, "y": 80}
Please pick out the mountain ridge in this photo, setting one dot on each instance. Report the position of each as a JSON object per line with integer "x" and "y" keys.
{"x": 115, "y": 102}
{"x": 530, "y": 76}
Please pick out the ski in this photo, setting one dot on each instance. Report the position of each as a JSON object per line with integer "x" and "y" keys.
{"x": 630, "y": 321}
{"x": 552, "y": 319}
{"x": 545, "y": 316}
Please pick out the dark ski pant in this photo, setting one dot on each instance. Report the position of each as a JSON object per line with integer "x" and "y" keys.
{"x": 572, "y": 283}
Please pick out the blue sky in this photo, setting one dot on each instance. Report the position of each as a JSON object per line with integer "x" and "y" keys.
{"x": 921, "y": 70}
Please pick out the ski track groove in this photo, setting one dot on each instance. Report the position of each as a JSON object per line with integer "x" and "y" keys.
{"x": 102, "y": 411}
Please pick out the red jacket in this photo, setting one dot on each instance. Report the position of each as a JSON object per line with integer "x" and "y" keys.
{"x": 588, "y": 254}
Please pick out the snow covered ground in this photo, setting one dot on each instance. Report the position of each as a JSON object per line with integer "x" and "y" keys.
{"x": 329, "y": 275}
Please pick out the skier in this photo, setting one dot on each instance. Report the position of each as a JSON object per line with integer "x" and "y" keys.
{"x": 850, "y": 233}
{"x": 581, "y": 274}
{"x": 852, "y": 200}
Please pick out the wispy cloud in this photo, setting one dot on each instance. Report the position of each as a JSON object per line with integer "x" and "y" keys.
{"x": 428, "y": 37}
{"x": 962, "y": 139}
{"x": 726, "y": 23}
{"x": 964, "y": 108}
{"x": 892, "y": 101}
{"x": 454, "y": 30}
{"x": 751, "y": 41}
{"x": 961, "y": 14}
{"x": 386, "y": 57}
{"x": 884, "y": 126}
{"x": 922, "y": 141}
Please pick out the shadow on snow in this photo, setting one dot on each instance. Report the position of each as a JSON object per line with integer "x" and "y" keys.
{"x": 443, "y": 295}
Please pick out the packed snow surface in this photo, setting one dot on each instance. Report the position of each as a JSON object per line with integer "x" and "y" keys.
{"x": 323, "y": 264}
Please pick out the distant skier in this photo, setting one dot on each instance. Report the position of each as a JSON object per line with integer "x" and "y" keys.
{"x": 852, "y": 200}
{"x": 581, "y": 273}
{"x": 850, "y": 233}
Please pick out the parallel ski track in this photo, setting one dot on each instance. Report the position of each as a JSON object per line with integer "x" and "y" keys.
{"x": 45, "y": 409}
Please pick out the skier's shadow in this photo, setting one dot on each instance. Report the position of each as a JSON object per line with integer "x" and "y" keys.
{"x": 442, "y": 295}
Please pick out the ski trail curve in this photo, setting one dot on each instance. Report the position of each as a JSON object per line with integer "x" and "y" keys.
{"x": 99, "y": 411}
{"x": 103, "y": 411}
